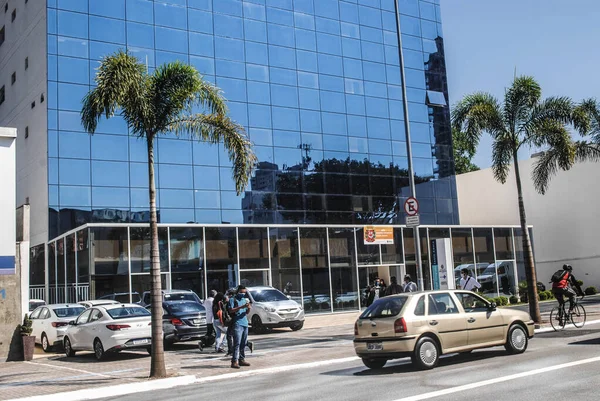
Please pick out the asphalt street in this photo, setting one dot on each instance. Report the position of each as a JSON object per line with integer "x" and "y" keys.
{"x": 555, "y": 367}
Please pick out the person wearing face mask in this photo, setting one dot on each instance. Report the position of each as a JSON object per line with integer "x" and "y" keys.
{"x": 239, "y": 307}
{"x": 376, "y": 292}
{"x": 467, "y": 282}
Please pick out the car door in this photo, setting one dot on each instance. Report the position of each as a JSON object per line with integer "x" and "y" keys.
{"x": 78, "y": 332}
{"x": 484, "y": 325}
{"x": 44, "y": 322}
{"x": 446, "y": 320}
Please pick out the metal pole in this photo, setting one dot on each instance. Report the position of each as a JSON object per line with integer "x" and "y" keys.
{"x": 411, "y": 174}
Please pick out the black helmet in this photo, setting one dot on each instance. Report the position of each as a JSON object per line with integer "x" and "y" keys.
{"x": 568, "y": 268}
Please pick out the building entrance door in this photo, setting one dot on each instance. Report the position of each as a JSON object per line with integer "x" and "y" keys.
{"x": 368, "y": 274}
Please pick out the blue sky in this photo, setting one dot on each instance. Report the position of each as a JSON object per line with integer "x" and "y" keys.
{"x": 556, "y": 41}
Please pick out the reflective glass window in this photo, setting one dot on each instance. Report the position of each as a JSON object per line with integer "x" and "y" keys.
{"x": 176, "y": 198}
{"x": 110, "y": 197}
{"x": 70, "y": 96}
{"x": 201, "y": 44}
{"x": 74, "y": 172}
{"x": 309, "y": 99}
{"x": 175, "y": 176}
{"x": 357, "y": 125}
{"x": 348, "y": 12}
{"x": 306, "y": 40}
{"x": 71, "y": 47}
{"x": 310, "y": 121}
{"x": 257, "y": 53}
{"x": 304, "y": 21}
{"x": 109, "y": 147}
{"x": 140, "y": 11}
{"x": 378, "y": 128}
{"x": 373, "y": 51}
{"x": 200, "y": 21}
{"x": 69, "y": 121}
{"x": 74, "y": 145}
{"x": 113, "y": 174}
{"x": 233, "y": 89}
{"x": 334, "y": 123}
{"x": 410, "y": 25}
{"x": 350, "y": 30}
{"x": 108, "y": 8}
{"x": 380, "y": 147}
{"x": 377, "y": 107}
{"x": 331, "y": 65}
{"x": 258, "y": 92}
{"x": 205, "y": 153}
{"x": 101, "y": 49}
{"x": 204, "y": 65}
{"x": 332, "y": 101}
{"x": 327, "y": 8}
{"x": 374, "y": 71}
{"x": 231, "y": 69}
{"x": 73, "y": 70}
{"x": 315, "y": 141}
{"x": 107, "y": 30}
{"x": 229, "y": 49}
{"x": 72, "y": 24}
{"x": 328, "y": 25}
{"x": 307, "y": 61}
{"x": 286, "y": 119}
{"x": 287, "y": 139}
{"x": 351, "y": 48}
{"x": 259, "y": 116}
{"x": 228, "y": 26}
{"x": 282, "y": 57}
{"x": 230, "y": 200}
{"x": 285, "y": 96}
{"x": 255, "y": 31}
{"x": 375, "y": 89}
{"x": 355, "y": 104}
{"x": 282, "y": 76}
{"x": 74, "y": 196}
{"x": 389, "y": 21}
{"x": 254, "y": 11}
{"x": 140, "y": 35}
{"x": 206, "y": 177}
{"x": 171, "y": 15}
{"x": 371, "y": 34}
{"x": 353, "y": 68}
{"x": 287, "y": 158}
{"x": 231, "y": 7}
{"x": 176, "y": 151}
{"x": 327, "y": 43}
{"x": 280, "y": 16}
{"x": 308, "y": 80}
{"x": 173, "y": 40}
{"x": 334, "y": 142}
{"x": 207, "y": 199}
{"x": 358, "y": 145}
{"x": 261, "y": 137}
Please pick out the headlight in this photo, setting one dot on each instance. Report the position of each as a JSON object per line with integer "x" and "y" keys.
{"x": 270, "y": 309}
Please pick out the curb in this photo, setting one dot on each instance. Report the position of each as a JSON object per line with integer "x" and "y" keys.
{"x": 114, "y": 391}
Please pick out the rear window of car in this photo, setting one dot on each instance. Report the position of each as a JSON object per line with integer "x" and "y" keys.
{"x": 127, "y": 312}
{"x": 384, "y": 307}
{"x": 181, "y": 296}
{"x": 186, "y": 307}
{"x": 68, "y": 312}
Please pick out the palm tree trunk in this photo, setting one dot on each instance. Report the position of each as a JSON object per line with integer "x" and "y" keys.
{"x": 157, "y": 365}
{"x": 530, "y": 275}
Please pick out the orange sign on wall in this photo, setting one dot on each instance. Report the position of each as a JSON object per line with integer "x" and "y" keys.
{"x": 375, "y": 235}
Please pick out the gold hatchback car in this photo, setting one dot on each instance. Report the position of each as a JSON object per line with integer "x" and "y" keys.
{"x": 425, "y": 325}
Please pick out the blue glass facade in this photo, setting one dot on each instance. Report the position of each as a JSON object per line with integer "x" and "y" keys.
{"x": 316, "y": 83}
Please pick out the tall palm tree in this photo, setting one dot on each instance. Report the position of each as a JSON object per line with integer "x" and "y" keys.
{"x": 154, "y": 104}
{"x": 523, "y": 120}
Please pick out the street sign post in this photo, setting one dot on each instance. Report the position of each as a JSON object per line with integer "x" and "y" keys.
{"x": 413, "y": 221}
{"x": 411, "y": 207}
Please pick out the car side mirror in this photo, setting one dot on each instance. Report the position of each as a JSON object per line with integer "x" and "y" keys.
{"x": 72, "y": 323}
{"x": 289, "y": 297}
{"x": 492, "y": 307}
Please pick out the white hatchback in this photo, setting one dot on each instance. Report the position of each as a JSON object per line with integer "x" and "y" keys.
{"x": 49, "y": 323}
{"x": 109, "y": 328}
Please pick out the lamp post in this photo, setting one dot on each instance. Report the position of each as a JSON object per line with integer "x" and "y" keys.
{"x": 411, "y": 173}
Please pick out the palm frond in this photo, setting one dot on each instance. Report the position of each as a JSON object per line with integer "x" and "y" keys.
{"x": 522, "y": 96}
{"x": 502, "y": 155}
{"x": 476, "y": 114}
{"x": 215, "y": 128}
{"x": 548, "y": 113}
{"x": 586, "y": 119}
{"x": 121, "y": 84}
{"x": 561, "y": 155}
{"x": 587, "y": 152}
{"x": 177, "y": 87}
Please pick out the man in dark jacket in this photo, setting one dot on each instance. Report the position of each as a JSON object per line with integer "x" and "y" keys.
{"x": 394, "y": 287}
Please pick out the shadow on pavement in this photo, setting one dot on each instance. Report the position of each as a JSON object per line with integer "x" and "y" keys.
{"x": 591, "y": 341}
{"x": 87, "y": 358}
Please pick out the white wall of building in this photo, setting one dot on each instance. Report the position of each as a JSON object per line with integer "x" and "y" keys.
{"x": 7, "y": 200}
{"x": 26, "y": 38}
{"x": 565, "y": 221}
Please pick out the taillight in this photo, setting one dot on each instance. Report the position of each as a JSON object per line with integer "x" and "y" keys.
{"x": 116, "y": 327}
{"x": 400, "y": 326}
{"x": 177, "y": 322}
{"x": 59, "y": 324}
{"x": 356, "y": 328}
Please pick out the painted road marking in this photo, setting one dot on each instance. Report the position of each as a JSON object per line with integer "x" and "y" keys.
{"x": 502, "y": 379}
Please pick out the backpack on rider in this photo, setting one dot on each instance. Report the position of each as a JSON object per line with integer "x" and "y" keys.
{"x": 558, "y": 275}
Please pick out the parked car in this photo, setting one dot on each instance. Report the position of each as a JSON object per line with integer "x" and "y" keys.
{"x": 34, "y": 303}
{"x": 109, "y": 328}
{"x": 271, "y": 308}
{"x": 173, "y": 295}
{"x": 425, "y": 325}
{"x": 499, "y": 270}
{"x": 183, "y": 321}
{"x": 97, "y": 302}
{"x": 49, "y": 323}
{"x": 123, "y": 297}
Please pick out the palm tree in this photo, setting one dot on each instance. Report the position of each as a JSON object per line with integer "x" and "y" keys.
{"x": 154, "y": 104}
{"x": 522, "y": 121}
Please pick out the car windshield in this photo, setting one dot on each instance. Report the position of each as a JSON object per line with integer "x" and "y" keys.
{"x": 68, "y": 312}
{"x": 127, "y": 312}
{"x": 184, "y": 307}
{"x": 181, "y": 296}
{"x": 268, "y": 296}
{"x": 384, "y": 307}
{"x": 489, "y": 270}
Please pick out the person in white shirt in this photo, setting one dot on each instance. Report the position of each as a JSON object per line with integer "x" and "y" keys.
{"x": 208, "y": 305}
{"x": 467, "y": 282}
{"x": 409, "y": 286}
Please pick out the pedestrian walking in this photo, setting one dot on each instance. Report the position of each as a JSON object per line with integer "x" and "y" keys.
{"x": 208, "y": 305}
{"x": 220, "y": 329}
{"x": 239, "y": 307}
{"x": 467, "y": 282}
{"x": 409, "y": 286}
{"x": 394, "y": 287}
{"x": 376, "y": 292}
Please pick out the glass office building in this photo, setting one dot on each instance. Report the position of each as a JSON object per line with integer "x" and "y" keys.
{"x": 316, "y": 84}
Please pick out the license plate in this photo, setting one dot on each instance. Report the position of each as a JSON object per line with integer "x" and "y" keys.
{"x": 143, "y": 341}
{"x": 199, "y": 321}
{"x": 374, "y": 346}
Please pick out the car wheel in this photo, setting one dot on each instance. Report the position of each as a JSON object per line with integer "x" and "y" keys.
{"x": 45, "y": 344}
{"x": 426, "y": 354}
{"x": 297, "y": 326}
{"x": 98, "y": 349}
{"x": 68, "y": 349}
{"x": 516, "y": 341}
{"x": 257, "y": 325}
{"x": 374, "y": 363}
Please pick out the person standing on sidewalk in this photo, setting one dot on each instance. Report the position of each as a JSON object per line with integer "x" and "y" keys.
{"x": 220, "y": 329}
{"x": 239, "y": 307}
{"x": 208, "y": 305}
{"x": 409, "y": 285}
{"x": 394, "y": 287}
